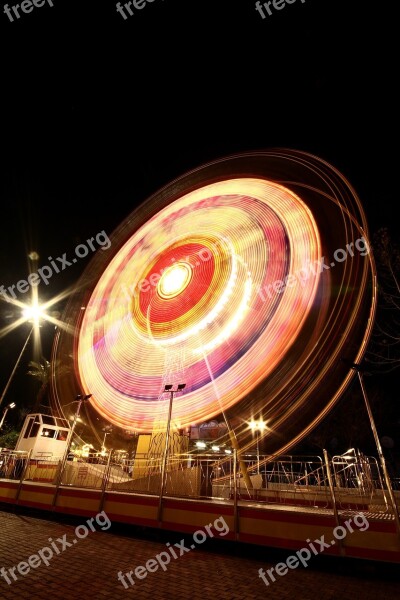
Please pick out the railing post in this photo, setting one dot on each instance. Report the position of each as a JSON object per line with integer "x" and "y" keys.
{"x": 28, "y": 458}
{"x": 105, "y": 481}
{"x": 333, "y": 495}
{"x": 235, "y": 504}
{"x": 59, "y": 475}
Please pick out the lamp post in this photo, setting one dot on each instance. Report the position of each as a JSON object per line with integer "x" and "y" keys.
{"x": 32, "y": 313}
{"x": 80, "y": 399}
{"x": 16, "y": 365}
{"x": 168, "y": 388}
{"x": 7, "y": 408}
{"x": 257, "y": 426}
{"x": 103, "y": 446}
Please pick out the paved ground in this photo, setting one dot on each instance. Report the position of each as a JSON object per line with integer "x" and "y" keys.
{"x": 88, "y": 567}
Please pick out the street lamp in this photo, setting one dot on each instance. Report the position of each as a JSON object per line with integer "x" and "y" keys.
{"x": 103, "y": 446}
{"x": 80, "y": 399}
{"x": 16, "y": 365}
{"x": 257, "y": 426}
{"x": 32, "y": 313}
{"x": 169, "y": 389}
{"x": 7, "y": 408}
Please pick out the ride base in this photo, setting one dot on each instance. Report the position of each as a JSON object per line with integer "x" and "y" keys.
{"x": 292, "y": 498}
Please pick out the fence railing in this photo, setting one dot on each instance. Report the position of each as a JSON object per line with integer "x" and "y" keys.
{"x": 12, "y": 463}
{"x": 355, "y": 480}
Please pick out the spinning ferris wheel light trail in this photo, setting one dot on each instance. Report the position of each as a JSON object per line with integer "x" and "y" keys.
{"x": 194, "y": 258}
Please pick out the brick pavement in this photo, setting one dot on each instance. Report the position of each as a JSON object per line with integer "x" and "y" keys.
{"x": 219, "y": 571}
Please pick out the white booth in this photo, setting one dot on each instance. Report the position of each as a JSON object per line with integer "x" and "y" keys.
{"x": 45, "y": 435}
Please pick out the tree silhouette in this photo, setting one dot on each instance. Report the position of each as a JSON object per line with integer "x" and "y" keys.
{"x": 41, "y": 372}
{"x": 383, "y": 352}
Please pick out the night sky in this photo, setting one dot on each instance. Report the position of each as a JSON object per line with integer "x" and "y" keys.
{"x": 98, "y": 112}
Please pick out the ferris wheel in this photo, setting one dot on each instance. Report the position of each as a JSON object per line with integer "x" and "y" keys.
{"x": 251, "y": 277}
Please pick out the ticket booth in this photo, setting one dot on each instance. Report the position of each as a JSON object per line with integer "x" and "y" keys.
{"x": 46, "y": 436}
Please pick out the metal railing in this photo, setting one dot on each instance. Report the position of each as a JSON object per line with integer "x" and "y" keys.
{"x": 12, "y": 463}
{"x": 353, "y": 481}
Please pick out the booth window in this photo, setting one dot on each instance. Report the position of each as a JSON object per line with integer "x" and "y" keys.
{"x": 49, "y": 433}
{"x": 28, "y": 427}
{"x": 32, "y": 428}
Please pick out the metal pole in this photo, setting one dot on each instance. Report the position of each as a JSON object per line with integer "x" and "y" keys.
{"x": 3, "y": 417}
{"x": 380, "y": 454}
{"x": 65, "y": 456}
{"x": 332, "y": 490}
{"x": 258, "y": 451}
{"x": 15, "y": 367}
{"x": 105, "y": 481}
{"x": 70, "y": 434}
{"x": 164, "y": 462}
{"x": 235, "y": 504}
{"x": 242, "y": 464}
{"x": 24, "y": 470}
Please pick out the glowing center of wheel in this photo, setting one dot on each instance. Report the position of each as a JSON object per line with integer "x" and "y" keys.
{"x": 174, "y": 280}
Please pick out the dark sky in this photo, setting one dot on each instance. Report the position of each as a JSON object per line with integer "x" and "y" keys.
{"x": 98, "y": 112}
